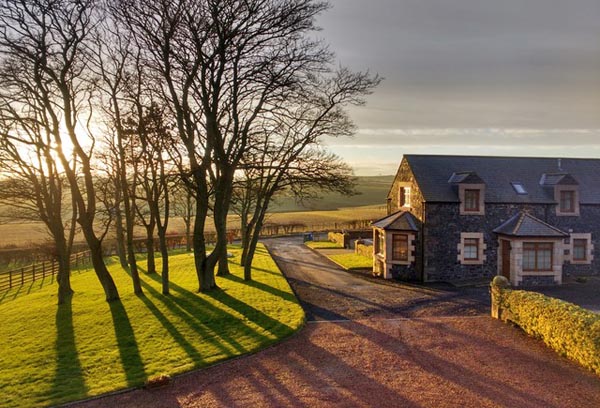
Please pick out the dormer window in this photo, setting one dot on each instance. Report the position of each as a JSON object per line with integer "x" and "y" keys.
{"x": 472, "y": 200}
{"x": 567, "y": 201}
{"x": 471, "y": 192}
{"x": 404, "y": 197}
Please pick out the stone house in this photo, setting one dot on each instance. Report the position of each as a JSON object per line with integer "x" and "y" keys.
{"x": 461, "y": 218}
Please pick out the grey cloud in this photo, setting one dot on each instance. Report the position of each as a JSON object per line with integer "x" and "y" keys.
{"x": 473, "y": 63}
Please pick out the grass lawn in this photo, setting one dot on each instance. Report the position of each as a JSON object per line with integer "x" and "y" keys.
{"x": 322, "y": 245}
{"x": 352, "y": 261}
{"x": 51, "y": 355}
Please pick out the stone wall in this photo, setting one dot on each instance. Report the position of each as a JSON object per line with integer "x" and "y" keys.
{"x": 444, "y": 226}
{"x": 347, "y": 238}
{"x": 363, "y": 249}
{"x": 406, "y": 178}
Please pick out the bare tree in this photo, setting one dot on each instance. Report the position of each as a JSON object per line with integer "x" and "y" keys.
{"x": 172, "y": 37}
{"x": 224, "y": 65}
{"x": 44, "y": 46}
{"x": 113, "y": 62}
{"x": 287, "y": 154}
{"x": 32, "y": 186}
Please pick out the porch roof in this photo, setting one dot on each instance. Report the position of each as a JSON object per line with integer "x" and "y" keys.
{"x": 399, "y": 221}
{"x": 523, "y": 224}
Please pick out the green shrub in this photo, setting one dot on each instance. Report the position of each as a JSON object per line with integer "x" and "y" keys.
{"x": 572, "y": 331}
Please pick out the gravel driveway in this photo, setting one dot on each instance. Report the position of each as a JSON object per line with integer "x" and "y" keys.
{"x": 378, "y": 344}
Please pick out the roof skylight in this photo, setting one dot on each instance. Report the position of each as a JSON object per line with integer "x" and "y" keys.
{"x": 519, "y": 187}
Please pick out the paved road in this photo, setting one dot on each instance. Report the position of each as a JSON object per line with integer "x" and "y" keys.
{"x": 329, "y": 293}
{"x": 373, "y": 344}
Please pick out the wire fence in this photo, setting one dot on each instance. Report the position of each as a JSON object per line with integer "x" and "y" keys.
{"x": 41, "y": 270}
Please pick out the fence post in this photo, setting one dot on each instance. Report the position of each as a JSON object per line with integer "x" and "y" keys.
{"x": 10, "y": 279}
{"x": 33, "y": 273}
{"x": 22, "y": 276}
{"x": 43, "y": 270}
{"x": 52, "y": 265}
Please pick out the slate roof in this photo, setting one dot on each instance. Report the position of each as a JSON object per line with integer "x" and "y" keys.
{"x": 400, "y": 221}
{"x": 433, "y": 174}
{"x": 526, "y": 225}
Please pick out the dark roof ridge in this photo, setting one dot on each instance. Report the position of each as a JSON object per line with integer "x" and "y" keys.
{"x": 500, "y": 157}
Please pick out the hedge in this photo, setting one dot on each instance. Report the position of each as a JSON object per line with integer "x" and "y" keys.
{"x": 570, "y": 330}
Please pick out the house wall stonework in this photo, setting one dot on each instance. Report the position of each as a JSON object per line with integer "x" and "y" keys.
{"x": 406, "y": 178}
{"x": 444, "y": 225}
{"x": 436, "y": 244}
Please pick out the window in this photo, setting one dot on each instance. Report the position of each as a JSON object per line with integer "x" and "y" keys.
{"x": 399, "y": 247}
{"x": 471, "y": 249}
{"x": 471, "y": 200}
{"x": 567, "y": 201}
{"x": 537, "y": 256}
{"x": 580, "y": 249}
{"x": 404, "y": 196}
{"x": 518, "y": 187}
{"x": 379, "y": 242}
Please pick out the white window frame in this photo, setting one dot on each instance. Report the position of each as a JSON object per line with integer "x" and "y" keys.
{"x": 481, "y": 258}
{"x": 589, "y": 248}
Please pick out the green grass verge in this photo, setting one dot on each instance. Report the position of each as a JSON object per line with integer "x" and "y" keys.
{"x": 322, "y": 245}
{"x": 50, "y": 355}
{"x": 352, "y": 261}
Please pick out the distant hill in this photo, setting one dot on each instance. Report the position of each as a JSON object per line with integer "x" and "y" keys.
{"x": 372, "y": 191}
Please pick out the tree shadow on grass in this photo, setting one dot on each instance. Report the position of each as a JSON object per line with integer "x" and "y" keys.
{"x": 68, "y": 379}
{"x": 190, "y": 350}
{"x": 210, "y": 322}
{"x": 129, "y": 352}
{"x": 262, "y": 286}
{"x": 254, "y": 315}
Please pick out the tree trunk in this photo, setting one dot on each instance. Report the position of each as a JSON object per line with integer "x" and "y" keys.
{"x": 63, "y": 277}
{"x": 206, "y": 277}
{"x": 164, "y": 251}
{"x": 150, "y": 259}
{"x": 107, "y": 282}
{"x": 255, "y": 234}
{"x": 188, "y": 223}
{"x": 223, "y": 194}
{"x": 121, "y": 251}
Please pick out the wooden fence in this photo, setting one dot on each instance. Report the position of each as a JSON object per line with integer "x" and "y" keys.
{"x": 41, "y": 270}
{"x": 37, "y": 271}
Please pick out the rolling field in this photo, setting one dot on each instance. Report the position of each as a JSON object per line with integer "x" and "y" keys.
{"x": 370, "y": 204}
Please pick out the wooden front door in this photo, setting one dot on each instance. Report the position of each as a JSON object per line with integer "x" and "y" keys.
{"x": 506, "y": 259}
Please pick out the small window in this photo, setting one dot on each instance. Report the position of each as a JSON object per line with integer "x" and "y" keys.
{"x": 519, "y": 188}
{"x": 580, "y": 249}
{"x": 471, "y": 200}
{"x": 537, "y": 256}
{"x": 399, "y": 247}
{"x": 404, "y": 196}
{"x": 379, "y": 242}
{"x": 471, "y": 249}
{"x": 567, "y": 201}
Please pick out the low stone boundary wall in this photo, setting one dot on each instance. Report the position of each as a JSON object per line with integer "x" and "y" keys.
{"x": 346, "y": 238}
{"x": 363, "y": 249}
{"x": 567, "y": 328}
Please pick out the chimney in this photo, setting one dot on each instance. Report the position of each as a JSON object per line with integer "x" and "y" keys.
{"x": 560, "y": 165}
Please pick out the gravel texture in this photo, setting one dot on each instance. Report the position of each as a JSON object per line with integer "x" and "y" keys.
{"x": 376, "y": 344}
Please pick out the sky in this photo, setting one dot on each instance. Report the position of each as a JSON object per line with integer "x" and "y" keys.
{"x": 485, "y": 77}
